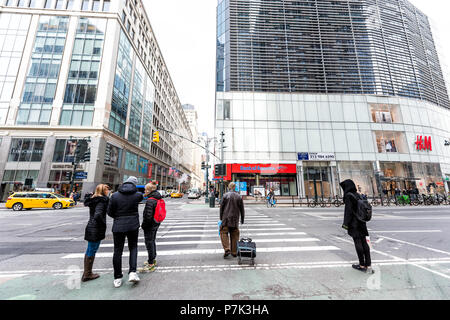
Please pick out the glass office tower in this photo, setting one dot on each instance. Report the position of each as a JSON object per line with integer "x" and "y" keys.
{"x": 330, "y": 90}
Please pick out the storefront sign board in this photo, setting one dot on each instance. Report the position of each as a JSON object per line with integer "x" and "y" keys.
{"x": 316, "y": 156}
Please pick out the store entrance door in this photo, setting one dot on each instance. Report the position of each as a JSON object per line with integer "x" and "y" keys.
{"x": 317, "y": 182}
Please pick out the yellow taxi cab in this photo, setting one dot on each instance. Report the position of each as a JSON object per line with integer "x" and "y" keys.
{"x": 176, "y": 195}
{"x": 29, "y": 200}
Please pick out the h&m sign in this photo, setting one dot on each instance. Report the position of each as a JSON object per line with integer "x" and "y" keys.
{"x": 423, "y": 143}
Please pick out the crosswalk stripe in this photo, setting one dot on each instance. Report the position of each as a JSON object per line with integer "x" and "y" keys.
{"x": 206, "y": 251}
{"x": 205, "y": 225}
{"x": 216, "y": 235}
{"x": 217, "y": 230}
{"x": 167, "y": 243}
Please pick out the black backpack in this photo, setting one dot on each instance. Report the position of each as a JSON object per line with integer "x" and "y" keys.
{"x": 363, "y": 209}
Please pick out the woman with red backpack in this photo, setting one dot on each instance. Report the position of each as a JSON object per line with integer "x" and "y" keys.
{"x": 151, "y": 223}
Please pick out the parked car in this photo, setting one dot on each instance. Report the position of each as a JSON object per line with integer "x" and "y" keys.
{"x": 193, "y": 195}
{"x": 29, "y": 200}
{"x": 176, "y": 195}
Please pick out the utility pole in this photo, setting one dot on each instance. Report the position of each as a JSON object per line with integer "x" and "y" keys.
{"x": 222, "y": 140}
{"x": 77, "y": 159}
{"x": 207, "y": 170}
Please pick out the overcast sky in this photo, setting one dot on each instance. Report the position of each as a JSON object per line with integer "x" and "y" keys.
{"x": 186, "y": 34}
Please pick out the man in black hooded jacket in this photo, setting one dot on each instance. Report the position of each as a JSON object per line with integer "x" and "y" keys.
{"x": 355, "y": 228}
{"x": 123, "y": 208}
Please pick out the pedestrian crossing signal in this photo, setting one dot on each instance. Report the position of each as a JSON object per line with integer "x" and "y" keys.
{"x": 156, "y": 136}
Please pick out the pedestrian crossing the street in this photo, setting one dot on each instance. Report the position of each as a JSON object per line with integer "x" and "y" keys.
{"x": 186, "y": 234}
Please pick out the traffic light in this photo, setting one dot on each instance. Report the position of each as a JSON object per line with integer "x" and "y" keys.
{"x": 203, "y": 165}
{"x": 220, "y": 170}
{"x": 87, "y": 156}
{"x": 156, "y": 136}
{"x": 68, "y": 175}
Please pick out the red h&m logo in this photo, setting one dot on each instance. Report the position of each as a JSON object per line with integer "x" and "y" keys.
{"x": 423, "y": 143}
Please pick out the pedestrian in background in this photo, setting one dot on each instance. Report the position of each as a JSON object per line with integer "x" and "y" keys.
{"x": 150, "y": 226}
{"x": 124, "y": 209}
{"x": 356, "y": 228}
{"x": 95, "y": 228}
{"x": 231, "y": 209}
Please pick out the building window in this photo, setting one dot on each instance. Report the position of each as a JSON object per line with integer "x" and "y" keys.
{"x": 85, "y": 6}
{"x": 131, "y": 160}
{"x": 33, "y": 3}
{"x": 385, "y": 113}
{"x": 59, "y": 4}
{"x": 25, "y": 150}
{"x": 13, "y": 34}
{"x": 40, "y": 85}
{"x": 113, "y": 156}
{"x": 391, "y": 142}
{"x": 70, "y": 4}
{"x": 19, "y": 177}
{"x": 23, "y": 3}
{"x": 96, "y": 5}
{"x": 11, "y": 3}
{"x": 81, "y": 89}
{"x": 226, "y": 110}
{"x": 65, "y": 150}
{"x": 48, "y": 4}
{"x": 122, "y": 84}
{"x": 106, "y": 5}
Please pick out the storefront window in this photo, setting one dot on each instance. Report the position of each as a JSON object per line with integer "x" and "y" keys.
{"x": 18, "y": 178}
{"x": 25, "y": 150}
{"x": 143, "y": 166}
{"x": 391, "y": 141}
{"x": 361, "y": 173}
{"x": 131, "y": 160}
{"x": 385, "y": 113}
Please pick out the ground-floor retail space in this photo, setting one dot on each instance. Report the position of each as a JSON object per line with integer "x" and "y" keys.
{"x": 320, "y": 179}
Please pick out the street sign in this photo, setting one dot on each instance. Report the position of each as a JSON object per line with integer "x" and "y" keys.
{"x": 81, "y": 175}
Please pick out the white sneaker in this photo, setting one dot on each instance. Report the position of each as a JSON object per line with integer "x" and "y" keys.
{"x": 117, "y": 283}
{"x": 133, "y": 277}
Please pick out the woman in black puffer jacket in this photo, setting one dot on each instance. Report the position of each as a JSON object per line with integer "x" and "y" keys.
{"x": 95, "y": 229}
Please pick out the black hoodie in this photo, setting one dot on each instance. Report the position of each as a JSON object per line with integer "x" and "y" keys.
{"x": 124, "y": 208}
{"x": 96, "y": 226}
{"x": 149, "y": 210}
{"x": 355, "y": 228}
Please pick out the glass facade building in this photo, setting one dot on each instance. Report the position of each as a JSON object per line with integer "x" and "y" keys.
{"x": 73, "y": 70}
{"x": 382, "y": 47}
{"x": 338, "y": 88}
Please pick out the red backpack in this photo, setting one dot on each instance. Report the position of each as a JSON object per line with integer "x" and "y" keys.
{"x": 160, "y": 210}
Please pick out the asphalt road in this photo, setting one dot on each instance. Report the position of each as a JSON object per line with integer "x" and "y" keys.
{"x": 303, "y": 253}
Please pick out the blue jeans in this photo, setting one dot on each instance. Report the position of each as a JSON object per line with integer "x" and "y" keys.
{"x": 92, "y": 248}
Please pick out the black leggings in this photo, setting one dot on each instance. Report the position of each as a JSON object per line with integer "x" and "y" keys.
{"x": 150, "y": 241}
{"x": 363, "y": 251}
{"x": 119, "y": 242}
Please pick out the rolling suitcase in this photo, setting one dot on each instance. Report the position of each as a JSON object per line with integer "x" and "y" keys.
{"x": 246, "y": 250}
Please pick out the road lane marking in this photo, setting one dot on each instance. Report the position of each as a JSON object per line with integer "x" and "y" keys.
{"x": 417, "y": 245}
{"x": 405, "y": 231}
{"x": 166, "y": 243}
{"x": 260, "y": 266}
{"x": 401, "y": 259}
{"x": 206, "y": 251}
